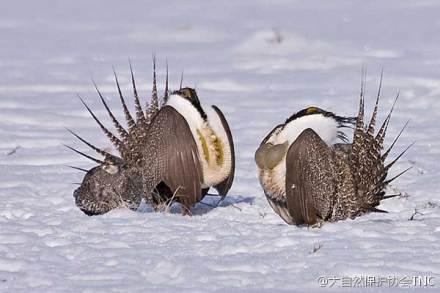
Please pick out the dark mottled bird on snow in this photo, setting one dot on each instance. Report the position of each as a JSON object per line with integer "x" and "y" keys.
{"x": 309, "y": 178}
{"x": 175, "y": 151}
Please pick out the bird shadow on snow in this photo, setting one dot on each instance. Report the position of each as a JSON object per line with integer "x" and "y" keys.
{"x": 209, "y": 203}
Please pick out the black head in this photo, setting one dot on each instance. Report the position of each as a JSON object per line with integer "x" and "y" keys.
{"x": 309, "y": 111}
{"x": 342, "y": 121}
{"x": 105, "y": 188}
{"x": 190, "y": 94}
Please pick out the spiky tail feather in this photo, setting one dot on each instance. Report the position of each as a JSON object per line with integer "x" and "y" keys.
{"x": 367, "y": 161}
{"x": 130, "y": 142}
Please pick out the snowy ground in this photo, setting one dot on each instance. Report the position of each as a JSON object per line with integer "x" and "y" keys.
{"x": 259, "y": 61}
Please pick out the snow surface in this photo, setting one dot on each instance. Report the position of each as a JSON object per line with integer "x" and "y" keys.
{"x": 259, "y": 61}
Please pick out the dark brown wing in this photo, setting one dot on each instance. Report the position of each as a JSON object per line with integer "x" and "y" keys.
{"x": 309, "y": 179}
{"x": 172, "y": 157}
{"x": 224, "y": 186}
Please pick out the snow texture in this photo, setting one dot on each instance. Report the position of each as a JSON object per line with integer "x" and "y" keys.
{"x": 259, "y": 61}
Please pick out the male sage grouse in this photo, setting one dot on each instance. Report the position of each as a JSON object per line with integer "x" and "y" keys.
{"x": 175, "y": 150}
{"x": 308, "y": 178}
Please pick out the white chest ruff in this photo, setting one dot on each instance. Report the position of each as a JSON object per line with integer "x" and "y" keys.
{"x": 274, "y": 180}
{"x": 211, "y": 139}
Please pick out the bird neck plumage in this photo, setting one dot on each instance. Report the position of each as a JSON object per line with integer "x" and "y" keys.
{"x": 325, "y": 127}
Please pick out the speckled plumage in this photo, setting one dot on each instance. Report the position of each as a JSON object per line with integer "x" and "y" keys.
{"x": 109, "y": 191}
{"x": 159, "y": 160}
{"x": 330, "y": 182}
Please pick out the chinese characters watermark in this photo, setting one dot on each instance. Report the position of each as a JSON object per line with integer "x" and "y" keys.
{"x": 391, "y": 281}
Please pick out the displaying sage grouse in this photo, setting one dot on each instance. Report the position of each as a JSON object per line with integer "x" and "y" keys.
{"x": 174, "y": 151}
{"x": 309, "y": 178}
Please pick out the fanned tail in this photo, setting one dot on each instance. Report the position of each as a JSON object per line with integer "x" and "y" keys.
{"x": 78, "y": 168}
{"x": 367, "y": 160}
{"x": 140, "y": 118}
{"x": 85, "y": 155}
{"x": 130, "y": 121}
{"x": 154, "y": 105}
{"x": 166, "y": 93}
{"x": 113, "y": 139}
{"x": 122, "y": 132}
{"x": 129, "y": 143}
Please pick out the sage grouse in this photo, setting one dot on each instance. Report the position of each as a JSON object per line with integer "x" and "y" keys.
{"x": 174, "y": 151}
{"x": 308, "y": 178}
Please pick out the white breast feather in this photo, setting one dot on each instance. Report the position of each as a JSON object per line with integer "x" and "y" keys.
{"x": 188, "y": 111}
{"x": 212, "y": 175}
{"x": 221, "y": 173}
{"x": 326, "y": 127}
